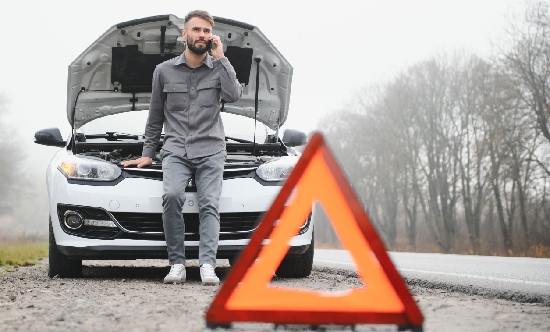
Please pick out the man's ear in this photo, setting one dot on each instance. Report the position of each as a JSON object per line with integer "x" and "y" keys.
{"x": 184, "y": 35}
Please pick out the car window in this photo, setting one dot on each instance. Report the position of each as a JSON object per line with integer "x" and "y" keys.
{"x": 134, "y": 123}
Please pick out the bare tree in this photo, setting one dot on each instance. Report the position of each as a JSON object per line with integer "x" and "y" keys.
{"x": 365, "y": 147}
{"x": 341, "y": 129}
{"x": 405, "y": 144}
{"x": 12, "y": 175}
{"x": 521, "y": 155}
{"x": 387, "y": 168}
{"x": 471, "y": 88}
{"x": 452, "y": 139}
{"x": 526, "y": 59}
{"x": 507, "y": 128}
{"x": 432, "y": 113}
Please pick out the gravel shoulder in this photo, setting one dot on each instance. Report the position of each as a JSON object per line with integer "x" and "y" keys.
{"x": 129, "y": 296}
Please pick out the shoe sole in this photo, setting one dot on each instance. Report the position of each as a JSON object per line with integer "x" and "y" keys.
{"x": 181, "y": 281}
{"x": 210, "y": 283}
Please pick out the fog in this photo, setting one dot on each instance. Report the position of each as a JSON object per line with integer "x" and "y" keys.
{"x": 335, "y": 49}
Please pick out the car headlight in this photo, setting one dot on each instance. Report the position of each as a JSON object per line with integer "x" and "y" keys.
{"x": 275, "y": 171}
{"x": 88, "y": 168}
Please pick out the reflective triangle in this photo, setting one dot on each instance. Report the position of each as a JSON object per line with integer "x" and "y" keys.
{"x": 246, "y": 295}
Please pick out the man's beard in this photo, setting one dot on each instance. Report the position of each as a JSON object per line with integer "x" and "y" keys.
{"x": 197, "y": 50}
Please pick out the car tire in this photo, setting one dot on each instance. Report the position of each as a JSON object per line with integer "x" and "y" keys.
{"x": 59, "y": 264}
{"x": 233, "y": 260}
{"x": 297, "y": 267}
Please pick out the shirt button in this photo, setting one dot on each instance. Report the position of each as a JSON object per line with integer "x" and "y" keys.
{"x": 193, "y": 88}
{"x": 193, "y": 104}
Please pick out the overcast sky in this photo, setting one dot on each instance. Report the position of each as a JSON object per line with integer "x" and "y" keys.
{"x": 335, "y": 47}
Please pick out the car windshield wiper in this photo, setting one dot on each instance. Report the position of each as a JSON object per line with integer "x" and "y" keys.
{"x": 238, "y": 140}
{"x": 113, "y": 136}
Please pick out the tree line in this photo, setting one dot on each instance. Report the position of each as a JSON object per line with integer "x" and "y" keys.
{"x": 452, "y": 155}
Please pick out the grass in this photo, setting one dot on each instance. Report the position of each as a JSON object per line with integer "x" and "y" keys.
{"x": 22, "y": 254}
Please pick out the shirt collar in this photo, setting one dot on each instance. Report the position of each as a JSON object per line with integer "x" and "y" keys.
{"x": 207, "y": 60}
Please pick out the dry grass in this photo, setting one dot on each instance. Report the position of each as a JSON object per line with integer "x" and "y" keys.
{"x": 22, "y": 254}
{"x": 21, "y": 238}
{"x": 539, "y": 251}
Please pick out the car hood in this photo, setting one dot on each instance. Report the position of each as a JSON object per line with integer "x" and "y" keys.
{"x": 113, "y": 75}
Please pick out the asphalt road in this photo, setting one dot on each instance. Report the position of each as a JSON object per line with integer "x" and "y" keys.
{"x": 130, "y": 296}
{"x": 520, "y": 278}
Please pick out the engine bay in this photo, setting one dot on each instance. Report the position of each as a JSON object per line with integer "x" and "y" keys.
{"x": 116, "y": 156}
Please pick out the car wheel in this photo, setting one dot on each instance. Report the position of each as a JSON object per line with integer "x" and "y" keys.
{"x": 233, "y": 260}
{"x": 297, "y": 267}
{"x": 60, "y": 265}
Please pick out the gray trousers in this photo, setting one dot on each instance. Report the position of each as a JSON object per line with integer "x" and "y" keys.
{"x": 177, "y": 171}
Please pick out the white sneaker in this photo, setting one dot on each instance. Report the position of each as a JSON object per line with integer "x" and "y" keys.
{"x": 176, "y": 274}
{"x": 208, "y": 276}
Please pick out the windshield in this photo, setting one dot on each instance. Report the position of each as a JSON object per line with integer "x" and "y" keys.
{"x": 236, "y": 126}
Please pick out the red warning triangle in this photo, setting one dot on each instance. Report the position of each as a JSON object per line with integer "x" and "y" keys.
{"x": 246, "y": 296}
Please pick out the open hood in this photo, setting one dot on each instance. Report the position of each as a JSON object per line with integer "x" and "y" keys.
{"x": 114, "y": 74}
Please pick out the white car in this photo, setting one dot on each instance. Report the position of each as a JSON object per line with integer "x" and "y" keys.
{"x": 101, "y": 210}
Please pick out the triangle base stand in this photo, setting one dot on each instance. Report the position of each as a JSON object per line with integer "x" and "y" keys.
{"x": 212, "y": 326}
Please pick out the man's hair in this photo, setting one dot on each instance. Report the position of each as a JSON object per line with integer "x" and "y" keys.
{"x": 201, "y": 14}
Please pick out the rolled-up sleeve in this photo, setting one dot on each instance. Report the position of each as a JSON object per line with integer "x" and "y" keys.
{"x": 155, "y": 120}
{"x": 231, "y": 88}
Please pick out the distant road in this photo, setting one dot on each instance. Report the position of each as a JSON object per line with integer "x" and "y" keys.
{"x": 502, "y": 275}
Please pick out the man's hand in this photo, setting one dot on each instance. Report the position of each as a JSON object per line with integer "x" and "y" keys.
{"x": 217, "y": 52}
{"x": 143, "y": 161}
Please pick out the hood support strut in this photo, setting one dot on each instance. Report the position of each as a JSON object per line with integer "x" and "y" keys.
{"x": 133, "y": 100}
{"x": 258, "y": 60}
{"x": 73, "y": 130}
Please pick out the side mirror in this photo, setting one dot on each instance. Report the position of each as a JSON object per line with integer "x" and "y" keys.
{"x": 49, "y": 137}
{"x": 294, "y": 137}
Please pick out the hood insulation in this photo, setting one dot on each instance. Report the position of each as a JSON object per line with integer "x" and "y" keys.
{"x": 114, "y": 74}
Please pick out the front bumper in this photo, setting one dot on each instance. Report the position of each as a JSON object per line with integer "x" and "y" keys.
{"x": 155, "y": 252}
{"x": 144, "y": 196}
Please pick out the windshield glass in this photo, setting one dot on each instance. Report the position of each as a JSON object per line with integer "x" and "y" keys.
{"x": 236, "y": 126}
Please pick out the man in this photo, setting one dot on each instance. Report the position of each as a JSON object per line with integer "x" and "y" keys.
{"x": 186, "y": 98}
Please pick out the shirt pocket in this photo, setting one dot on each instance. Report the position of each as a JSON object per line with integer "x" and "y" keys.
{"x": 209, "y": 93}
{"x": 177, "y": 96}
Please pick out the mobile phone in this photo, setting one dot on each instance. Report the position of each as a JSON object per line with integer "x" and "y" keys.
{"x": 209, "y": 45}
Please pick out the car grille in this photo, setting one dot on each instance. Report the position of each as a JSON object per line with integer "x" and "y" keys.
{"x": 149, "y": 225}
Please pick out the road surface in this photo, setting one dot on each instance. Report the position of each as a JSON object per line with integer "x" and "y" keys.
{"x": 130, "y": 296}
{"x": 521, "y": 278}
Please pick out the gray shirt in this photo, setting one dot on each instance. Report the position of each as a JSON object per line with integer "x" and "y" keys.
{"x": 187, "y": 102}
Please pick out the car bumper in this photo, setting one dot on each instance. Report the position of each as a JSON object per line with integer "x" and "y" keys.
{"x": 154, "y": 252}
{"x": 145, "y": 196}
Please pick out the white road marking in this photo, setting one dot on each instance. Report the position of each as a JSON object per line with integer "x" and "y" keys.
{"x": 517, "y": 281}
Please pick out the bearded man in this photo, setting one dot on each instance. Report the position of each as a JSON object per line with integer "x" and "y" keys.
{"x": 186, "y": 98}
